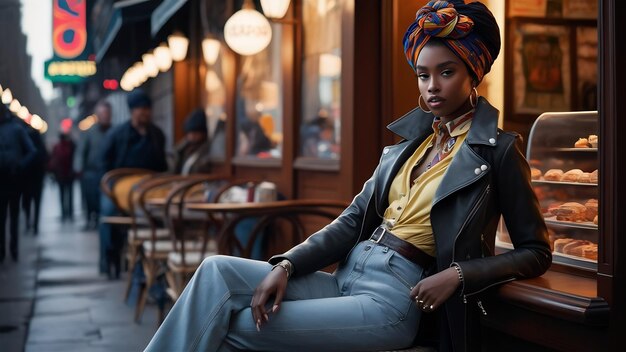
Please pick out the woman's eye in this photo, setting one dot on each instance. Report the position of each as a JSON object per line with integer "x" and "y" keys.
{"x": 446, "y": 73}
{"x": 422, "y": 76}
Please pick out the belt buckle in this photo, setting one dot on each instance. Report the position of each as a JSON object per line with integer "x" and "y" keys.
{"x": 379, "y": 237}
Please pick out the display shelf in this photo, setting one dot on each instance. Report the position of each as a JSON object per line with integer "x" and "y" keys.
{"x": 579, "y": 225}
{"x": 564, "y": 183}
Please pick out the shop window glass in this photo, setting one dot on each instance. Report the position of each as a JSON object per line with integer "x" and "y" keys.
{"x": 321, "y": 79}
{"x": 215, "y": 109}
{"x": 259, "y": 106}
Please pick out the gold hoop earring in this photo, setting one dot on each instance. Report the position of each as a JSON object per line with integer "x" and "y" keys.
{"x": 475, "y": 91}
{"x": 419, "y": 103}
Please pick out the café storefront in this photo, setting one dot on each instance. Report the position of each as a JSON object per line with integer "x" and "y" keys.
{"x": 308, "y": 112}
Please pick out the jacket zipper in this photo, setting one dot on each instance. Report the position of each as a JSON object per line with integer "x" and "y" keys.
{"x": 479, "y": 302}
{"x": 469, "y": 217}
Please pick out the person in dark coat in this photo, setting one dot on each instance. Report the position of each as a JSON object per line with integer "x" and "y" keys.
{"x": 87, "y": 163}
{"x": 137, "y": 143}
{"x": 16, "y": 153}
{"x": 193, "y": 152}
{"x": 61, "y": 166}
{"x": 33, "y": 180}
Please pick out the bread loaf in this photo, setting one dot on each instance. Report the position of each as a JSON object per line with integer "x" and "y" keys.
{"x": 553, "y": 175}
{"x": 581, "y": 143}
{"x": 572, "y": 175}
{"x": 592, "y": 209}
{"x": 571, "y": 211}
{"x": 535, "y": 174}
{"x": 559, "y": 243}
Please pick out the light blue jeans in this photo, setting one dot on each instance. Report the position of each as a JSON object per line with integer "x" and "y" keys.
{"x": 363, "y": 306}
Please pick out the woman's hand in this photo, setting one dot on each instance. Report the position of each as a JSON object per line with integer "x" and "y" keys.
{"x": 274, "y": 284}
{"x": 433, "y": 291}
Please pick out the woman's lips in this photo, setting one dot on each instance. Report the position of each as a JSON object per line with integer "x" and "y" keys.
{"x": 435, "y": 102}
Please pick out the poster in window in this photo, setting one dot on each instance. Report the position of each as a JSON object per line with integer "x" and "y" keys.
{"x": 583, "y": 9}
{"x": 527, "y": 8}
{"x": 587, "y": 68}
{"x": 541, "y": 65}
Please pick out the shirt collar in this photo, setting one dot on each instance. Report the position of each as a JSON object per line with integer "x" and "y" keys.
{"x": 456, "y": 127}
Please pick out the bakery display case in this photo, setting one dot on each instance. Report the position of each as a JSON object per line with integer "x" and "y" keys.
{"x": 563, "y": 155}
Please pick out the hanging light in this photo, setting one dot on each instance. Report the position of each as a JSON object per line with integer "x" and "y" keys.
{"x": 23, "y": 113}
{"x": 15, "y": 106}
{"x": 178, "y": 46}
{"x": 7, "y": 97}
{"x": 163, "y": 57}
{"x": 149, "y": 64}
{"x": 329, "y": 65}
{"x": 43, "y": 128}
{"x": 275, "y": 8}
{"x": 210, "y": 50}
{"x": 247, "y": 32}
{"x": 36, "y": 122}
{"x": 140, "y": 73}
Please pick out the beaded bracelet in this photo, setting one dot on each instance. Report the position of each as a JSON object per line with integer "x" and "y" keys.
{"x": 458, "y": 271}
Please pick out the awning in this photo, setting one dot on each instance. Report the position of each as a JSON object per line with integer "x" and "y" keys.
{"x": 121, "y": 13}
{"x": 163, "y": 13}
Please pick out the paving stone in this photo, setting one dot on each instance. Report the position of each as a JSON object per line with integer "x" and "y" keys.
{"x": 61, "y": 305}
{"x": 13, "y": 340}
{"x": 69, "y": 332}
{"x": 15, "y": 312}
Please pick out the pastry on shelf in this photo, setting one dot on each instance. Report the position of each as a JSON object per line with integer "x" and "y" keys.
{"x": 590, "y": 251}
{"x": 595, "y": 220}
{"x": 571, "y": 211}
{"x": 592, "y": 209}
{"x": 585, "y": 177}
{"x": 553, "y": 175}
{"x": 535, "y": 174}
{"x": 593, "y": 177}
{"x": 559, "y": 243}
{"x": 576, "y": 247}
{"x": 572, "y": 175}
{"x": 593, "y": 140}
{"x": 582, "y": 143}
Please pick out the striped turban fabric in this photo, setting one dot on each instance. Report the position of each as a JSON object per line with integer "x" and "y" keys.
{"x": 469, "y": 30}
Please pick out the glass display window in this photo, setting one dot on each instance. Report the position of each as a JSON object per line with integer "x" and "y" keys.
{"x": 563, "y": 156}
{"x": 259, "y": 105}
{"x": 321, "y": 79}
{"x": 214, "y": 101}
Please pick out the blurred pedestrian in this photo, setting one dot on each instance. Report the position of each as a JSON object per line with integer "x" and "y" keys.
{"x": 16, "y": 152}
{"x": 137, "y": 143}
{"x": 61, "y": 166}
{"x": 33, "y": 180}
{"x": 192, "y": 153}
{"x": 87, "y": 163}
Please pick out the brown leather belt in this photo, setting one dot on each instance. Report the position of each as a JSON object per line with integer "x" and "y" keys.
{"x": 386, "y": 238}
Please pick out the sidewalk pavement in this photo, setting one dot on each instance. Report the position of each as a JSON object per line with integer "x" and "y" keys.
{"x": 54, "y": 299}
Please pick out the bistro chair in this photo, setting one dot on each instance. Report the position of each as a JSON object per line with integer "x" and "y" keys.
{"x": 182, "y": 263}
{"x": 155, "y": 251}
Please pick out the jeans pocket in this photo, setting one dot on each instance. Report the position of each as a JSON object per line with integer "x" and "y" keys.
{"x": 407, "y": 274}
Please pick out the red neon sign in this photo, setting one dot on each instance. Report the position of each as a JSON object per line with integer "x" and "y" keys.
{"x": 69, "y": 27}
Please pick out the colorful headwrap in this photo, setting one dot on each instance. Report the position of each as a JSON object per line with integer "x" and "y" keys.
{"x": 469, "y": 30}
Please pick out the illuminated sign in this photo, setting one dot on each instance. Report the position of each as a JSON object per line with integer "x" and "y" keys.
{"x": 69, "y": 71}
{"x": 72, "y": 61}
{"x": 69, "y": 28}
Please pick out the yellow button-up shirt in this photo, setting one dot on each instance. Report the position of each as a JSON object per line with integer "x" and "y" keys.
{"x": 408, "y": 214}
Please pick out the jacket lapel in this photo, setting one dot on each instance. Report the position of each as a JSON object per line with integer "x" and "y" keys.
{"x": 390, "y": 162}
{"x": 466, "y": 168}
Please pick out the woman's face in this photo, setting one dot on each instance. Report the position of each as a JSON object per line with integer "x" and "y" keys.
{"x": 444, "y": 82}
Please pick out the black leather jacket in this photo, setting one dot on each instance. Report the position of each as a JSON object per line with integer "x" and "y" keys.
{"x": 488, "y": 177}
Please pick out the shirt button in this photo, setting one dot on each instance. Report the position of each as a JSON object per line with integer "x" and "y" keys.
{"x": 477, "y": 171}
{"x": 399, "y": 208}
{"x": 386, "y": 150}
{"x": 492, "y": 140}
{"x": 483, "y": 167}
